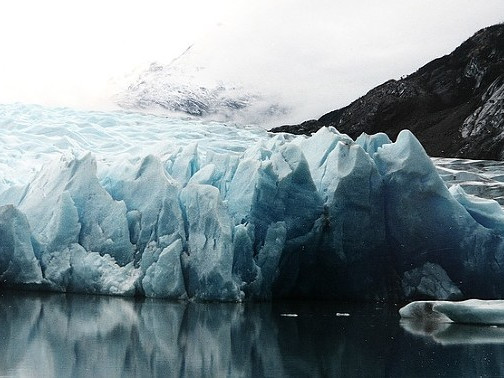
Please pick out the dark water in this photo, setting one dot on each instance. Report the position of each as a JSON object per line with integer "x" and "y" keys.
{"x": 57, "y": 335}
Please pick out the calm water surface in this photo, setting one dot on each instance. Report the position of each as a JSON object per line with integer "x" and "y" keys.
{"x": 62, "y": 335}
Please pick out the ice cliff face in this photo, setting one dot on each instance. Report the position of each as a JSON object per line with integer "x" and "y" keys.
{"x": 318, "y": 217}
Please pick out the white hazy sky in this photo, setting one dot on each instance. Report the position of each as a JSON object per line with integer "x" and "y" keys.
{"x": 71, "y": 52}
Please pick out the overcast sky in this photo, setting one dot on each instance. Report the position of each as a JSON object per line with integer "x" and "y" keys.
{"x": 63, "y": 52}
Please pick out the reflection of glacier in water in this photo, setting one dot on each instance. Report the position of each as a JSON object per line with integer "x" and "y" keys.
{"x": 183, "y": 209}
{"x": 455, "y": 334}
{"x": 68, "y": 335}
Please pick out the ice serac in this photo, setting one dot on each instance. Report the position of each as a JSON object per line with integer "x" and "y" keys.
{"x": 318, "y": 217}
{"x": 208, "y": 260}
{"x": 268, "y": 260}
{"x": 151, "y": 198}
{"x": 275, "y": 186}
{"x": 183, "y": 164}
{"x": 486, "y": 212}
{"x": 344, "y": 251}
{"x": 18, "y": 264}
{"x": 164, "y": 278}
{"x": 371, "y": 143}
{"x": 65, "y": 204}
{"x": 425, "y": 223}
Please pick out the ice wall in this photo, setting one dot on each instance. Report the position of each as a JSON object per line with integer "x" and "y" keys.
{"x": 318, "y": 217}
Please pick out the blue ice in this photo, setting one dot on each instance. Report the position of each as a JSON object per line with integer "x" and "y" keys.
{"x": 314, "y": 217}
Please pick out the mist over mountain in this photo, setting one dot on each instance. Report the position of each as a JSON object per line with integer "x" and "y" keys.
{"x": 184, "y": 86}
{"x": 453, "y": 104}
{"x": 278, "y": 63}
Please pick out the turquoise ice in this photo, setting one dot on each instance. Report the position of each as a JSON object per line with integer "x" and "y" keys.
{"x": 132, "y": 204}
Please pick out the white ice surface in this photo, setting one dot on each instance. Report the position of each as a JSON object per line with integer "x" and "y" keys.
{"x": 471, "y": 311}
{"x": 32, "y": 135}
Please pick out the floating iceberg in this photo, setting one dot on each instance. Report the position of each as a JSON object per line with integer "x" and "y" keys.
{"x": 216, "y": 212}
{"x": 455, "y": 323}
{"x": 471, "y": 311}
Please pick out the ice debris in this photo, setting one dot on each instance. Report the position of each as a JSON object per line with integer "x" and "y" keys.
{"x": 471, "y": 311}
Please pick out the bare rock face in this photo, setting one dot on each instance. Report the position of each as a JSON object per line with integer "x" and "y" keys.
{"x": 485, "y": 126}
{"x": 454, "y": 104}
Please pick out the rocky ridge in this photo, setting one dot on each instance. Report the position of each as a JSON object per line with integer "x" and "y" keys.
{"x": 454, "y": 104}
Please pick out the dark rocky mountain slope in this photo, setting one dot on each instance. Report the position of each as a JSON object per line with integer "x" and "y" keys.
{"x": 454, "y": 104}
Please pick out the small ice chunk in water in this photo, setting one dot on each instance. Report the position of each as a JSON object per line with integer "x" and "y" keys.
{"x": 471, "y": 311}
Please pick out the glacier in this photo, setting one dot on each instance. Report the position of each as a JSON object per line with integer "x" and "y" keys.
{"x": 129, "y": 204}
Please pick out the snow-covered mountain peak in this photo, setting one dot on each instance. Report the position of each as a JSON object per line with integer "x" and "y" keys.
{"x": 188, "y": 87}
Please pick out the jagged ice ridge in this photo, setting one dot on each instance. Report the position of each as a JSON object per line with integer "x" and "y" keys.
{"x": 318, "y": 217}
